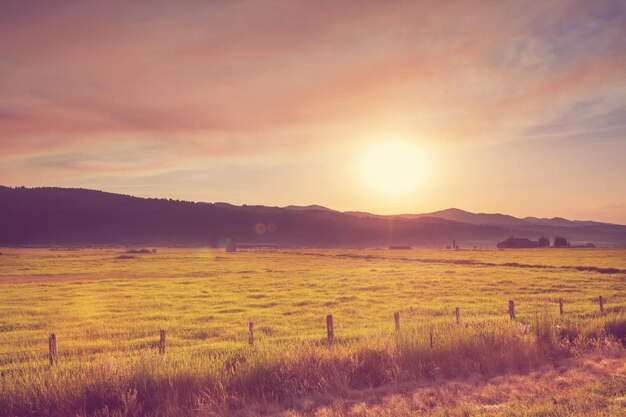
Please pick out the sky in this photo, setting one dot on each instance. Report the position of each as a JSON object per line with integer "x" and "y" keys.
{"x": 516, "y": 107}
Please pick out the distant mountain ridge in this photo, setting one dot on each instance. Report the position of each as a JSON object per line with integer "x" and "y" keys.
{"x": 500, "y": 219}
{"x": 66, "y": 216}
{"x": 462, "y": 216}
{"x": 309, "y": 207}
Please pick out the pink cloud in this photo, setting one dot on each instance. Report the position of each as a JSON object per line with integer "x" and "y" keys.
{"x": 230, "y": 78}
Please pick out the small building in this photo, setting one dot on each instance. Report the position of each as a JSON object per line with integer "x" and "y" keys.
{"x": 561, "y": 242}
{"x": 518, "y": 243}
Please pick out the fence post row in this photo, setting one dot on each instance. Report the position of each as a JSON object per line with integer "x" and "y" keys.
{"x": 52, "y": 349}
{"x": 512, "y": 309}
{"x": 162, "y": 342}
{"x": 330, "y": 330}
{"x": 54, "y": 356}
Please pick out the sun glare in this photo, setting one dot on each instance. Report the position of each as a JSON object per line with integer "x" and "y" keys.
{"x": 395, "y": 168}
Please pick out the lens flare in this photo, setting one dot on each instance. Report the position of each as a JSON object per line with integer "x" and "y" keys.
{"x": 260, "y": 228}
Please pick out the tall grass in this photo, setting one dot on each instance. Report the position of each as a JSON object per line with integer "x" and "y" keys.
{"x": 108, "y": 312}
{"x": 176, "y": 385}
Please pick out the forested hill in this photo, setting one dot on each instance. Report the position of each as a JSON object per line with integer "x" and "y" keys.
{"x": 65, "y": 216}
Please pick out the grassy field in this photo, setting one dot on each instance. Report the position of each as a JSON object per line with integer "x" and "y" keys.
{"x": 107, "y": 308}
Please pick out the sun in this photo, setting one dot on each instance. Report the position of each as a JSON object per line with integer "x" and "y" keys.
{"x": 394, "y": 168}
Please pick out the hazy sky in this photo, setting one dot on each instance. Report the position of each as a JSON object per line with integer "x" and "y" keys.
{"x": 516, "y": 107}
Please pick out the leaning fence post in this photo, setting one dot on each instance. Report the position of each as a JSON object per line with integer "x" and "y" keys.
{"x": 512, "y": 309}
{"x": 561, "y": 306}
{"x": 601, "y": 300}
{"x": 52, "y": 349}
{"x": 330, "y": 330}
{"x": 457, "y": 313}
{"x": 396, "y": 319}
{"x": 162, "y": 342}
{"x": 251, "y": 333}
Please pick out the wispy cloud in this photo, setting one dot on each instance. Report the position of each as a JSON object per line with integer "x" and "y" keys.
{"x": 186, "y": 82}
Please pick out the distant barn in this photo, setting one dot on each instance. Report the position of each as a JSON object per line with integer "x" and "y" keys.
{"x": 518, "y": 243}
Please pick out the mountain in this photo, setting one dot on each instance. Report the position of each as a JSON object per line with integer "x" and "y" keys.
{"x": 559, "y": 221}
{"x": 65, "y": 216}
{"x": 463, "y": 216}
{"x": 309, "y": 207}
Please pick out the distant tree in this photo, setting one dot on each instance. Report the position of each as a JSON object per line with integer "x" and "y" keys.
{"x": 544, "y": 242}
{"x": 561, "y": 242}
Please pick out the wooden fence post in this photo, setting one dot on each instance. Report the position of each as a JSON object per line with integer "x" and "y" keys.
{"x": 52, "y": 349}
{"x": 430, "y": 336}
{"x": 330, "y": 330}
{"x": 601, "y": 300}
{"x": 396, "y": 319}
{"x": 251, "y": 333}
{"x": 457, "y": 313}
{"x": 512, "y": 309}
{"x": 561, "y": 306}
{"x": 162, "y": 342}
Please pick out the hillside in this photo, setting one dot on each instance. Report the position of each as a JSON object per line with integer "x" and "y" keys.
{"x": 463, "y": 216}
{"x": 64, "y": 216}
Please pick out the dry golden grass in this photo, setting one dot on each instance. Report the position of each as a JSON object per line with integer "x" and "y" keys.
{"x": 107, "y": 313}
{"x": 590, "y": 385}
